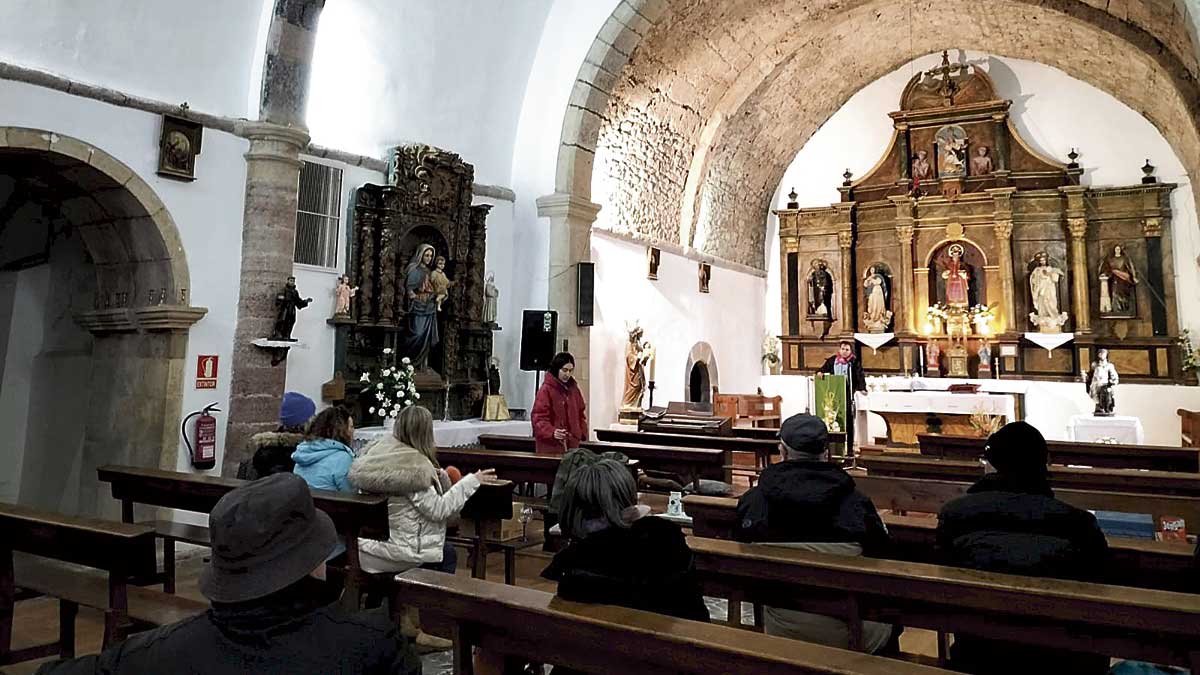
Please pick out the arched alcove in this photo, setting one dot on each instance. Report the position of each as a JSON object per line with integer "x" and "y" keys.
{"x": 701, "y": 375}
{"x": 94, "y": 365}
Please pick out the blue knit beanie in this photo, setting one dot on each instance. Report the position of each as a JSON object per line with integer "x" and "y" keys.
{"x": 297, "y": 409}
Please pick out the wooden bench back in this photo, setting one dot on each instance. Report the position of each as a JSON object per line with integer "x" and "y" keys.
{"x": 1131, "y": 562}
{"x": 726, "y": 405}
{"x": 101, "y": 544}
{"x": 365, "y": 515}
{"x": 688, "y": 462}
{"x": 1189, "y": 428}
{"x": 536, "y": 625}
{"x": 1102, "y": 480}
{"x": 504, "y": 442}
{"x": 1111, "y": 456}
{"x": 734, "y": 443}
{"x": 1157, "y": 626}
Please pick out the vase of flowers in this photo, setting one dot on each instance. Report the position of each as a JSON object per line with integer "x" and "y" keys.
{"x": 391, "y": 388}
{"x": 1189, "y": 360}
{"x": 770, "y": 355}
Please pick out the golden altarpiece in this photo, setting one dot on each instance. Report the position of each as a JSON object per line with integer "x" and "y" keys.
{"x": 964, "y": 236}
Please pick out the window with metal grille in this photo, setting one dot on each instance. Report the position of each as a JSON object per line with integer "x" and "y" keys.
{"x": 318, "y": 215}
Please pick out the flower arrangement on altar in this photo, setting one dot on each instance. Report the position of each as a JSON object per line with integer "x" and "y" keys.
{"x": 984, "y": 424}
{"x": 982, "y": 316}
{"x": 770, "y": 354}
{"x": 935, "y": 318}
{"x": 395, "y": 388}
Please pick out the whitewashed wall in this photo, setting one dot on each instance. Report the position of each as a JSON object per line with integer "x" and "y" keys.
{"x": 208, "y": 212}
{"x": 675, "y": 316}
{"x": 1054, "y": 113}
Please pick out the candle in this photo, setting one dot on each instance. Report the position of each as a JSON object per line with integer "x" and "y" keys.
{"x": 652, "y": 360}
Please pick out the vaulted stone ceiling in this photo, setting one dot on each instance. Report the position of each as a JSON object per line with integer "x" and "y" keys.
{"x": 692, "y": 109}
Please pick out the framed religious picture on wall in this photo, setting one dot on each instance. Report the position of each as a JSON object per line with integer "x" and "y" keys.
{"x": 178, "y": 145}
{"x": 705, "y": 274}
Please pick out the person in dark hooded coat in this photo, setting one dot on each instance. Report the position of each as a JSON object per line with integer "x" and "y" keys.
{"x": 808, "y": 503}
{"x": 1010, "y": 522}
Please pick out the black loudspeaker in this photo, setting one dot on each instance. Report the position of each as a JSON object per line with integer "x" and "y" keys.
{"x": 586, "y": 294}
{"x": 539, "y": 329}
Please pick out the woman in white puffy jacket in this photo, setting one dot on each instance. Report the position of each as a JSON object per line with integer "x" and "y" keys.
{"x": 420, "y": 498}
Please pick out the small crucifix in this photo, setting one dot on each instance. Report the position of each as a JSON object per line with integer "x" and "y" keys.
{"x": 948, "y": 87}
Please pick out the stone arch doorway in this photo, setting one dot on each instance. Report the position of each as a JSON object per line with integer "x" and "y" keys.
{"x": 701, "y": 376}
{"x": 94, "y": 315}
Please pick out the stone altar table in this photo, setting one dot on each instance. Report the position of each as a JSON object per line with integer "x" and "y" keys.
{"x": 454, "y": 434}
{"x": 908, "y": 413}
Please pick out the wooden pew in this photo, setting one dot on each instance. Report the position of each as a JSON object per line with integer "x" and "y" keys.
{"x": 690, "y": 463}
{"x": 1110, "y": 480}
{"x": 116, "y": 551}
{"x": 1156, "y": 626}
{"x": 354, "y": 516}
{"x": 537, "y": 626}
{"x": 1112, "y": 456}
{"x": 518, "y": 467}
{"x": 759, "y": 410}
{"x": 503, "y": 442}
{"x": 761, "y": 449}
{"x": 1132, "y": 562}
{"x": 1189, "y": 428}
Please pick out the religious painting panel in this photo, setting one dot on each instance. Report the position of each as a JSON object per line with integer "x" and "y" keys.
{"x": 886, "y": 359}
{"x": 1037, "y": 361}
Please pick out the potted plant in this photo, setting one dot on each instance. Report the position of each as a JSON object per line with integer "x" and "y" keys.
{"x": 1189, "y": 359}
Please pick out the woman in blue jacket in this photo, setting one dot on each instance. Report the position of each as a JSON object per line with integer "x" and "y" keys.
{"x": 324, "y": 458}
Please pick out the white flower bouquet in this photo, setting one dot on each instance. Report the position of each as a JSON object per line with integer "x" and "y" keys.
{"x": 394, "y": 386}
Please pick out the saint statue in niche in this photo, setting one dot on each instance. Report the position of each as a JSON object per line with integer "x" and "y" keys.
{"x": 342, "y": 294}
{"x": 981, "y": 163}
{"x": 1118, "y": 285}
{"x": 1043, "y": 288}
{"x": 952, "y": 151}
{"x": 958, "y": 278}
{"x": 820, "y": 291}
{"x": 876, "y": 298}
{"x": 920, "y": 166}
{"x": 420, "y": 333}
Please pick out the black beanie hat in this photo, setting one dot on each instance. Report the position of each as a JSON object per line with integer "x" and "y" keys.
{"x": 1018, "y": 449}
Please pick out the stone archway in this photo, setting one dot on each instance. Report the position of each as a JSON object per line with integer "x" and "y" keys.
{"x": 701, "y": 375}
{"x": 110, "y": 331}
{"x": 696, "y": 108}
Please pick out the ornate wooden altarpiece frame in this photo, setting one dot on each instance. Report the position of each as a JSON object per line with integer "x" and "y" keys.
{"x": 427, "y": 201}
{"x": 1002, "y": 211}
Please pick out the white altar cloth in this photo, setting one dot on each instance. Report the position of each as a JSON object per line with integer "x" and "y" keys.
{"x": 453, "y": 434}
{"x": 928, "y": 401}
{"x": 1091, "y": 429}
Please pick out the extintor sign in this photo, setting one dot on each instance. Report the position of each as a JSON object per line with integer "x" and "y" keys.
{"x": 206, "y": 371}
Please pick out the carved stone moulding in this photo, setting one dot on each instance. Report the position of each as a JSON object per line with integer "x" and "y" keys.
{"x": 149, "y": 318}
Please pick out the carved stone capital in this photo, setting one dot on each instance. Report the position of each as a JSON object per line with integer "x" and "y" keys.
{"x": 845, "y": 239}
{"x": 1077, "y": 227}
{"x": 1004, "y": 229}
{"x": 904, "y": 234}
{"x": 1152, "y": 227}
{"x": 569, "y": 207}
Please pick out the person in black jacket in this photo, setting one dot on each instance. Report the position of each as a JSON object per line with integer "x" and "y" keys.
{"x": 1010, "y": 522}
{"x": 266, "y": 584}
{"x": 844, "y": 362}
{"x": 618, "y": 554}
{"x": 806, "y": 502}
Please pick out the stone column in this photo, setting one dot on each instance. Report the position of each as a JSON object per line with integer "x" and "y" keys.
{"x": 1077, "y": 226}
{"x": 904, "y": 237}
{"x": 288, "y": 62}
{"x": 1002, "y": 213}
{"x": 849, "y": 282}
{"x": 268, "y": 243}
{"x": 269, "y": 221}
{"x": 1000, "y": 152}
{"x": 571, "y": 221}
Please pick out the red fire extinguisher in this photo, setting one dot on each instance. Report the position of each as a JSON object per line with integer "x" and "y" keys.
{"x": 204, "y": 453}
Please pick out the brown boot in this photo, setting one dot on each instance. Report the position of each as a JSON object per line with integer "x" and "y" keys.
{"x": 410, "y": 627}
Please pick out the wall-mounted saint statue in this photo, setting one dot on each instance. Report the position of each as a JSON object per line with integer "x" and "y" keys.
{"x": 957, "y": 275}
{"x": 921, "y": 170}
{"x": 981, "y": 163}
{"x": 491, "y": 299}
{"x": 287, "y": 303}
{"x": 820, "y": 291}
{"x": 638, "y": 352}
{"x": 952, "y": 151}
{"x": 1043, "y": 289}
{"x": 420, "y": 333}
{"x": 877, "y": 298}
{"x": 1118, "y": 285}
{"x": 342, "y": 294}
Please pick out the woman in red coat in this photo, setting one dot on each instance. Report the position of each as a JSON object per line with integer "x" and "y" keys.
{"x": 559, "y": 415}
